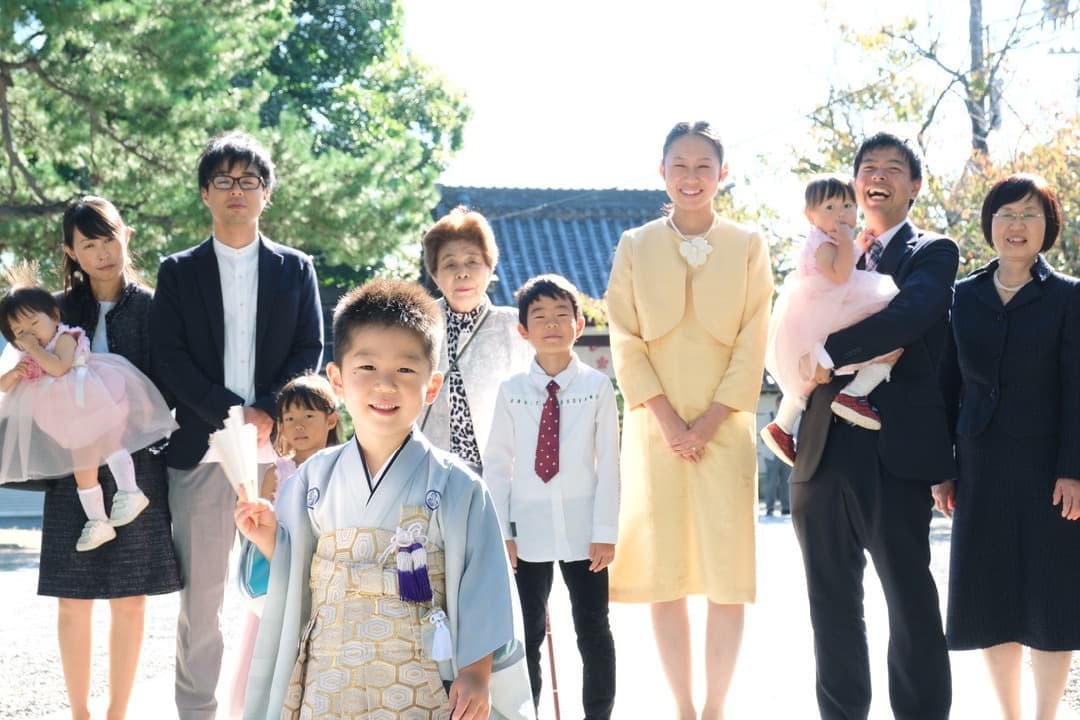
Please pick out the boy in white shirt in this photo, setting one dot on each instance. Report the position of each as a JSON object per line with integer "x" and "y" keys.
{"x": 552, "y": 465}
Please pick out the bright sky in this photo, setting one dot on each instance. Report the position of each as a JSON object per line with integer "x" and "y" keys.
{"x": 580, "y": 93}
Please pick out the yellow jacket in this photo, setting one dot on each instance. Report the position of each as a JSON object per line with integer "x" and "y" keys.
{"x": 646, "y": 299}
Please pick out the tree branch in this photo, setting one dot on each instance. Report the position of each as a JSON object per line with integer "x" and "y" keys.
{"x": 931, "y": 113}
{"x": 9, "y": 142}
{"x": 928, "y": 55}
{"x": 97, "y": 124}
{"x": 32, "y": 211}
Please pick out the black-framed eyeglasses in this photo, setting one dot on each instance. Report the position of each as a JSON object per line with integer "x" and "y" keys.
{"x": 228, "y": 182}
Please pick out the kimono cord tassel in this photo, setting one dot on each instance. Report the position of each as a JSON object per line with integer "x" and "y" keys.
{"x": 414, "y": 585}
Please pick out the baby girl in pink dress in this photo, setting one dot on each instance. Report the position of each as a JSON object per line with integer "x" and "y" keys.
{"x": 824, "y": 294}
{"x": 67, "y": 411}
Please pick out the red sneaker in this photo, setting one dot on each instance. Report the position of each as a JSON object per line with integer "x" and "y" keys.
{"x": 781, "y": 443}
{"x": 857, "y": 411}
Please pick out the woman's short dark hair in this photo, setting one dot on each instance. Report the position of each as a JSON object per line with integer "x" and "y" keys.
{"x": 1017, "y": 187}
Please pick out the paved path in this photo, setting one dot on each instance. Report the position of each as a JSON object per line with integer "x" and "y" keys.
{"x": 774, "y": 679}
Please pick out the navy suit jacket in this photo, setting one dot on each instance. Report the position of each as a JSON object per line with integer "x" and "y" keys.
{"x": 914, "y": 440}
{"x": 187, "y": 338}
{"x": 1017, "y": 364}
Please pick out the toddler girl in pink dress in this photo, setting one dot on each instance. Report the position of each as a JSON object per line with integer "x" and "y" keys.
{"x": 824, "y": 293}
{"x": 67, "y": 411}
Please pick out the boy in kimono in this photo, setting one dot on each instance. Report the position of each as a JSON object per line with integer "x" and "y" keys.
{"x": 552, "y": 463}
{"x": 389, "y": 592}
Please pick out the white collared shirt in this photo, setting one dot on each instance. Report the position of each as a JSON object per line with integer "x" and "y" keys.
{"x": 100, "y": 343}
{"x": 238, "y": 271}
{"x": 886, "y": 236}
{"x": 557, "y": 520}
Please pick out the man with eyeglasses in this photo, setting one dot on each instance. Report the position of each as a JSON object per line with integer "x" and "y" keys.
{"x": 233, "y": 319}
{"x": 854, "y": 491}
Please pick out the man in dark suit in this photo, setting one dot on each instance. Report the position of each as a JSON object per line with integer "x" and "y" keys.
{"x": 855, "y": 491}
{"x": 233, "y": 319}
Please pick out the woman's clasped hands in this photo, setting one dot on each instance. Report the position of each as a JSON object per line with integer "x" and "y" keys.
{"x": 687, "y": 440}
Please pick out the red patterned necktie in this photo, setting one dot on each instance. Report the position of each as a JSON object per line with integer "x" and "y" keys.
{"x": 547, "y": 441}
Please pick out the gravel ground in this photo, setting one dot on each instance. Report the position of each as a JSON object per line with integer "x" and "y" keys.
{"x": 31, "y": 681}
{"x": 31, "y": 684}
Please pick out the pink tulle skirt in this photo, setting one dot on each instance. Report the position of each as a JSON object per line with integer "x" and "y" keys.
{"x": 810, "y": 308}
{"x": 53, "y": 426}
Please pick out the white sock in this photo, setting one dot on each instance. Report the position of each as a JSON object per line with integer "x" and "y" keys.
{"x": 93, "y": 503}
{"x": 791, "y": 407}
{"x": 123, "y": 470}
{"x": 867, "y": 379}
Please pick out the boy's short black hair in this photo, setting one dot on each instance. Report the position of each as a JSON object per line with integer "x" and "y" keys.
{"x": 231, "y": 149}
{"x": 389, "y": 303}
{"x": 551, "y": 286}
{"x": 23, "y": 301}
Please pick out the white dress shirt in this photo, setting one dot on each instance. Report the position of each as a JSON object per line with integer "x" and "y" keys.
{"x": 557, "y": 520}
{"x": 100, "y": 343}
{"x": 238, "y": 271}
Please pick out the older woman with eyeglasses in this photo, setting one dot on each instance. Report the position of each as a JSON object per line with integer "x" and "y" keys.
{"x": 1011, "y": 376}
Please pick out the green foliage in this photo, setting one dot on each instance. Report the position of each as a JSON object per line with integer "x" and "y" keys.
{"x": 117, "y": 99}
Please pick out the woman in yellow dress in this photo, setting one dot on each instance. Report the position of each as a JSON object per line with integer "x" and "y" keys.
{"x": 688, "y": 307}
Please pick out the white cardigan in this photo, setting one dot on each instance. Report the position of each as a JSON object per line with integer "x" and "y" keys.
{"x": 495, "y": 354}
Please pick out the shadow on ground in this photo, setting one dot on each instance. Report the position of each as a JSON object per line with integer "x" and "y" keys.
{"x": 17, "y": 557}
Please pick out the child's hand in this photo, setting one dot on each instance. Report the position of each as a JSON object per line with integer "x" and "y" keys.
{"x": 28, "y": 342}
{"x": 511, "y": 550}
{"x": 470, "y": 695}
{"x": 864, "y": 240}
{"x": 264, "y": 424}
{"x": 257, "y": 522}
{"x": 842, "y": 233}
{"x": 14, "y": 375}
{"x": 600, "y": 556}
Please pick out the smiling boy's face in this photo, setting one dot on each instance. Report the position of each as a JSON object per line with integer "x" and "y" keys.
{"x": 385, "y": 379}
{"x": 551, "y": 325}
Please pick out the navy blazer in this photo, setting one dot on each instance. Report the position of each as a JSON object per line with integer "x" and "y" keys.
{"x": 1017, "y": 363}
{"x": 914, "y": 440}
{"x": 187, "y": 338}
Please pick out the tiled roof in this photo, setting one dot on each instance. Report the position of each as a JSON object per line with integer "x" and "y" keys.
{"x": 540, "y": 230}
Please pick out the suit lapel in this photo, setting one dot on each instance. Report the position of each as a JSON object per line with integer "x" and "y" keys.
{"x": 269, "y": 281}
{"x": 209, "y": 280}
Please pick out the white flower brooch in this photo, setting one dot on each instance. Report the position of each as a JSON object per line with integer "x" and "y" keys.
{"x": 695, "y": 250}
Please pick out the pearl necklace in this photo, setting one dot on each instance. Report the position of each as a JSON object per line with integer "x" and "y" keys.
{"x": 1008, "y": 288}
{"x": 671, "y": 221}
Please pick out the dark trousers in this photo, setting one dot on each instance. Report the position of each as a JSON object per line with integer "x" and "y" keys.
{"x": 589, "y": 605}
{"x": 775, "y": 487}
{"x": 850, "y": 505}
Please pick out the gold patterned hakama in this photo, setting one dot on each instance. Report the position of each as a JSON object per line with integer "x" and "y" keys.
{"x": 366, "y": 654}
